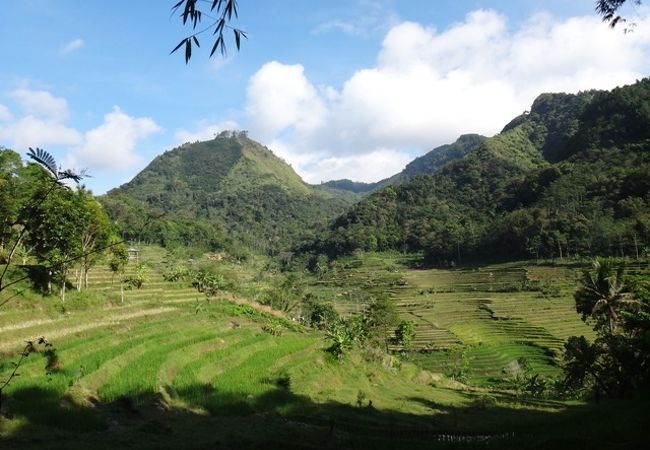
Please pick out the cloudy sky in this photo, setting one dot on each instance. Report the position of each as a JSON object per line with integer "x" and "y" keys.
{"x": 339, "y": 89}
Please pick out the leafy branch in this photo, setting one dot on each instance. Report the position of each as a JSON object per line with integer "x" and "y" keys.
{"x": 609, "y": 9}
{"x": 31, "y": 347}
{"x": 191, "y": 14}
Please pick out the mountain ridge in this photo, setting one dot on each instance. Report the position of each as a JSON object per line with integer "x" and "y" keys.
{"x": 574, "y": 164}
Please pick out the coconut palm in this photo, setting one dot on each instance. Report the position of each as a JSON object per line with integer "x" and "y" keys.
{"x": 603, "y": 291}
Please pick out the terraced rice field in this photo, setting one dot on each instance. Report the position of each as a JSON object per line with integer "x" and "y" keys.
{"x": 495, "y": 315}
{"x": 156, "y": 366}
{"x": 165, "y": 369}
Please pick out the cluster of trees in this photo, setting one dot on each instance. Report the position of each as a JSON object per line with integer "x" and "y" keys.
{"x": 378, "y": 326}
{"x": 569, "y": 178}
{"x": 618, "y": 360}
{"x": 43, "y": 221}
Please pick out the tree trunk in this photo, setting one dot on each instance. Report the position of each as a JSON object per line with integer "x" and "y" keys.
{"x": 15, "y": 247}
{"x": 612, "y": 317}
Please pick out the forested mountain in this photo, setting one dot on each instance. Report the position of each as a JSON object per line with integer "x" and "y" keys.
{"x": 225, "y": 193}
{"x": 428, "y": 163}
{"x": 572, "y": 176}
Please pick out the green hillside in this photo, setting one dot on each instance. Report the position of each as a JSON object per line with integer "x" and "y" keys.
{"x": 540, "y": 188}
{"x": 230, "y": 192}
{"x": 168, "y": 368}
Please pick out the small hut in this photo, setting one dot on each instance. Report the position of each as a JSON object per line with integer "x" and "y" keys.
{"x": 134, "y": 254}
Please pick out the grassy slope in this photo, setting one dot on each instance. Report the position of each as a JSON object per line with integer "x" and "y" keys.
{"x": 156, "y": 372}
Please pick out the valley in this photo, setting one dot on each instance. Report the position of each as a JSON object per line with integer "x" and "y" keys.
{"x": 493, "y": 294}
{"x": 170, "y": 367}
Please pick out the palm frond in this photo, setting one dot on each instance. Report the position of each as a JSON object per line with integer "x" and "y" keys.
{"x": 69, "y": 174}
{"x": 44, "y": 159}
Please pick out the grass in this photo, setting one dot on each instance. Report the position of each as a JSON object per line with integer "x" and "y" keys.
{"x": 157, "y": 372}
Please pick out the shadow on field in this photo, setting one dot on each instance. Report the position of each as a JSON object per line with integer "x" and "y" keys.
{"x": 282, "y": 419}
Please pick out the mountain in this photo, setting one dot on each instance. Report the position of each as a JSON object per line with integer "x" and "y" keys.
{"x": 356, "y": 187}
{"x": 569, "y": 177}
{"x": 226, "y": 192}
{"x": 428, "y": 163}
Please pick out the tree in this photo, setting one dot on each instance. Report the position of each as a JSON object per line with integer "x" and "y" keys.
{"x": 55, "y": 232}
{"x": 381, "y": 316}
{"x": 117, "y": 263}
{"x": 602, "y": 291}
{"x": 95, "y": 232}
{"x": 405, "y": 333}
{"x": 614, "y": 362}
{"x": 609, "y": 9}
{"x": 25, "y": 218}
{"x": 190, "y": 13}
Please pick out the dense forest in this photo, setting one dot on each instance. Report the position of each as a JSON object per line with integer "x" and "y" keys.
{"x": 570, "y": 177}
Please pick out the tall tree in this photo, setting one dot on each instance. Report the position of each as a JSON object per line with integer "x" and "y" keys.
{"x": 602, "y": 292}
{"x": 95, "y": 231}
{"x": 117, "y": 263}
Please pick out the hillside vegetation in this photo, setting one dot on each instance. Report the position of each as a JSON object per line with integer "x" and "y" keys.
{"x": 230, "y": 192}
{"x": 168, "y": 368}
{"x": 568, "y": 178}
{"x": 466, "y": 304}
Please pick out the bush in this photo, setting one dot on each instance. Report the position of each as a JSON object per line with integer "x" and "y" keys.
{"x": 319, "y": 314}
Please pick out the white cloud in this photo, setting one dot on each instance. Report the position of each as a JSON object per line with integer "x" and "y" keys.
{"x": 111, "y": 145}
{"x": 71, "y": 46}
{"x": 366, "y": 167}
{"x": 41, "y": 104}
{"x": 204, "y": 131}
{"x": 281, "y": 97}
{"x": 430, "y": 86}
{"x": 30, "y": 131}
{"x": 5, "y": 115}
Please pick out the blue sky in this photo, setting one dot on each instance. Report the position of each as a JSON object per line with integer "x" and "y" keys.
{"x": 352, "y": 88}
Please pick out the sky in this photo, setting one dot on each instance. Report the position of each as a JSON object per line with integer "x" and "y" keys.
{"x": 339, "y": 89}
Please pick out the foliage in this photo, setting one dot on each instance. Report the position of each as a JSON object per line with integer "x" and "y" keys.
{"x": 190, "y": 13}
{"x": 343, "y": 334}
{"x": 568, "y": 179}
{"x": 39, "y": 345}
{"x": 119, "y": 258}
{"x": 229, "y": 194}
{"x": 380, "y": 318}
{"x": 618, "y": 360}
{"x": 43, "y": 218}
{"x": 456, "y": 365}
{"x": 608, "y": 9}
{"x": 319, "y": 314}
{"x": 139, "y": 276}
{"x": 405, "y": 333}
{"x": 602, "y": 292}
{"x": 521, "y": 378}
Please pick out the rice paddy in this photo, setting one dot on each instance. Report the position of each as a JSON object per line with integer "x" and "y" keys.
{"x": 168, "y": 369}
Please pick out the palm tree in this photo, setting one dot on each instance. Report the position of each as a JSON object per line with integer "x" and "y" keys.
{"x": 602, "y": 291}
